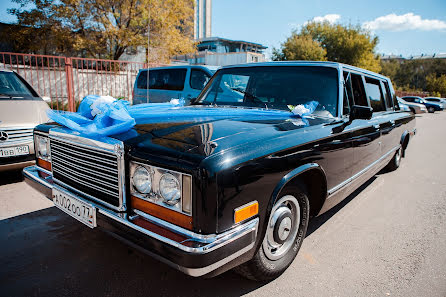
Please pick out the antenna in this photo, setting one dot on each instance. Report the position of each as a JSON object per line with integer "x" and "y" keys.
{"x": 148, "y": 55}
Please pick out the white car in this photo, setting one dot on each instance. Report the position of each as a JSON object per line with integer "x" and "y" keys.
{"x": 414, "y": 107}
{"x": 21, "y": 109}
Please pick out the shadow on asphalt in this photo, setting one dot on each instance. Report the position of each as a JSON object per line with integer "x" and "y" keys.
{"x": 48, "y": 253}
{"x": 316, "y": 222}
{"x": 10, "y": 177}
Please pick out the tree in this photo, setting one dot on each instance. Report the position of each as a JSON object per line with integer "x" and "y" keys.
{"x": 348, "y": 44}
{"x": 300, "y": 48}
{"x": 106, "y": 28}
{"x": 37, "y": 30}
{"x": 418, "y": 74}
{"x": 436, "y": 84}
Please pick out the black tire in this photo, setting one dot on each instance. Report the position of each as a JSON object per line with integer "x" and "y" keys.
{"x": 430, "y": 109}
{"x": 412, "y": 110}
{"x": 396, "y": 161}
{"x": 261, "y": 267}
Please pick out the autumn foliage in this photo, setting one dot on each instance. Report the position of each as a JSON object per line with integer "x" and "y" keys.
{"x": 323, "y": 41}
{"x": 104, "y": 28}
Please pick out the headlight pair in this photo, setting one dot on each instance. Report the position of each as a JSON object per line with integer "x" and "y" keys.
{"x": 42, "y": 147}
{"x": 164, "y": 187}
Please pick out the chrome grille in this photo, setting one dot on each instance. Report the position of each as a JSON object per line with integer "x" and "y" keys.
{"x": 17, "y": 135}
{"x": 88, "y": 169}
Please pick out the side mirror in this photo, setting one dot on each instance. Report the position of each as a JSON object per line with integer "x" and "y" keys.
{"x": 361, "y": 112}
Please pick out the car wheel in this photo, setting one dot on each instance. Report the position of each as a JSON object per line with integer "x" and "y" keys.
{"x": 412, "y": 110}
{"x": 431, "y": 109}
{"x": 396, "y": 160}
{"x": 285, "y": 232}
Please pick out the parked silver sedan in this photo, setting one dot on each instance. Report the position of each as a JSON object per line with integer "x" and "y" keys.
{"x": 414, "y": 107}
{"x": 21, "y": 109}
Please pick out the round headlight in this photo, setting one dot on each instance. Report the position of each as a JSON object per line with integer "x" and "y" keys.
{"x": 42, "y": 146}
{"x": 170, "y": 189}
{"x": 142, "y": 180}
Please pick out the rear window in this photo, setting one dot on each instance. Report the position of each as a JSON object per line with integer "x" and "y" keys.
{"x": 163, "y": 79}
{"x": 13, "y": 87}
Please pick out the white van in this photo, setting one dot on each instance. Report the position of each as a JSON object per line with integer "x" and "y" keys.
{"x": 172, "y": 82}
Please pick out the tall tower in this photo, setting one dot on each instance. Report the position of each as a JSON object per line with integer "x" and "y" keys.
{"x": 202, "y": 19}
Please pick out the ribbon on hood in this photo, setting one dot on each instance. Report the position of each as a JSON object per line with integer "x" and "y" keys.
{"x": 105, "y": 116}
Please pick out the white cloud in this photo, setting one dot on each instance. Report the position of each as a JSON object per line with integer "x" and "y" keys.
{"x": 331, "y": 18}
{"x": 408, "y": 21}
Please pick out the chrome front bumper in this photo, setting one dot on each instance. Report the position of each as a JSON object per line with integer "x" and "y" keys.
{"x": 192, "y": 253}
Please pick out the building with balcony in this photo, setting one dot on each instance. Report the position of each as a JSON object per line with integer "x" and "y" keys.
{"x": 219, "y": 51}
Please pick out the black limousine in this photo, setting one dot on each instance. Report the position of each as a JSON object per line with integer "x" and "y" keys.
{"x": 205, "y": 196}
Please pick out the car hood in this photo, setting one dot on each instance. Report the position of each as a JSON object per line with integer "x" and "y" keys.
{"x": 174, "y": 140}
{"x": 22, "y": 113}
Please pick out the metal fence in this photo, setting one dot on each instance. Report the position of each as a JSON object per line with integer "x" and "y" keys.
{"x": 419, "y": 94}
{"x": 64, "y": 81}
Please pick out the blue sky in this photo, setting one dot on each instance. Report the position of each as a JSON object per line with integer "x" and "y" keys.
{"x": 271, "y": 22}
{"x": 404, "y": 27}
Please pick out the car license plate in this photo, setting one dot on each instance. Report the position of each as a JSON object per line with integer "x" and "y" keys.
{"x": 78, "y": 209}
{"x": 14, "y": 151}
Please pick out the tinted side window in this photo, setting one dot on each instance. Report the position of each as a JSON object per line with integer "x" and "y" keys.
{"x": 358, "y": 90}
{"x": 387, "y": 95}
{"x": 141, "y": 83}
{"x": 167, "y": 79}
{"x": 348, "y": 95}
{"x": 198, "y": 79}
{"x": 163, "y": 79}
{"x": 374, "y": 94}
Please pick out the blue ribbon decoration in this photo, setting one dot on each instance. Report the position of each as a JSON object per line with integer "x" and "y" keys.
{"x": 96, "y": 117}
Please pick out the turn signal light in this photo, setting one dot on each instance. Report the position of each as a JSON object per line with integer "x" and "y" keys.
{"x": 44, "y": 164}
{"x": 161, "y": 212}
{"x": 246, "y": 211}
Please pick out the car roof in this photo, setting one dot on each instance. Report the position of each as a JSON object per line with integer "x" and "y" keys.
{"x": 308, "y": 63}
{"x": 208, "y": 67}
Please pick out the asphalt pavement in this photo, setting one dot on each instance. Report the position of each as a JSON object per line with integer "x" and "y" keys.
{"x": 386, "y": 239}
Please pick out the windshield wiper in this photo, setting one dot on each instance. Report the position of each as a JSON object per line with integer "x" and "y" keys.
{"x": 10, "y": 96}
{"x": 255, "y": 99}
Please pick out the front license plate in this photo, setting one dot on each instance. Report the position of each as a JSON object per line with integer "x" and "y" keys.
{"x": 14, "y": 151}
{"x": 78, "y": 209}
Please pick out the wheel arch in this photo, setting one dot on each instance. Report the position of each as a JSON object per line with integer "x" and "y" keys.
{"x": 404, "y": 141}
{"x": 312, "y": 178}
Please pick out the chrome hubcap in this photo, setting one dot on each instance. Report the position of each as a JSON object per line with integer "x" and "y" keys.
{"x": 282, "y": 228}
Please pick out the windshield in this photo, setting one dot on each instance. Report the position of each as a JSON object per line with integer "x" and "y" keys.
{"x": 12, "y": 87}
{"x": 274, "y": 87}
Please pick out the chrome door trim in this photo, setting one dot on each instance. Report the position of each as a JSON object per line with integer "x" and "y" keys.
{"x": 335, "y": 189}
